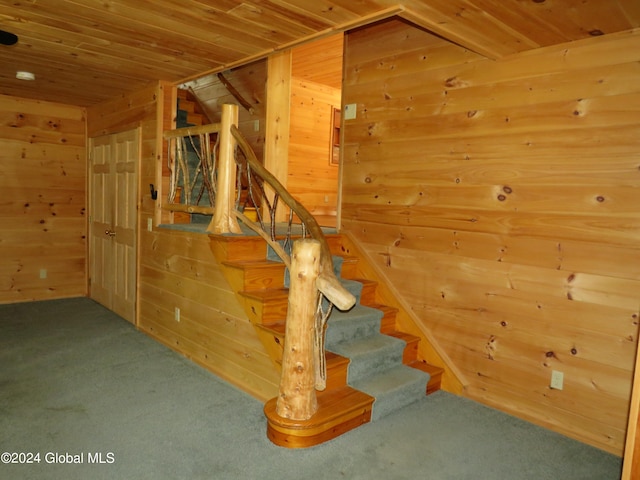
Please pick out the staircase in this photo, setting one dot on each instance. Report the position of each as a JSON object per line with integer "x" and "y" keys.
{"x": 372, "y": 368}
{"x": 189, "y": 112}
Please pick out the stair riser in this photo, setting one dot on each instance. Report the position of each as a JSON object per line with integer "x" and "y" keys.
{"x": 388, "y": 324}
{"x": 335, "y": 244}
{"x": 186, "y": 105}
{"x": 266, "y": 312}
{"x": 349, "y": 268}
{"x": 247, "y": 279}
{"x": 410, "y": 354}
{"x": 435, "y": 373}
{"x": 396, "y": 400}
{"x": 435, "y": 383}
{"x": 239, "y": 248}
{"x": 368, "y": 295}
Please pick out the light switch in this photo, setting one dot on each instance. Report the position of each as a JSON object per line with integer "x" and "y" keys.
{"x": 350, "y": 111}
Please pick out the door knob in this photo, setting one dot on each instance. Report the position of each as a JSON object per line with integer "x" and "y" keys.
{"x": 111, "y": 233}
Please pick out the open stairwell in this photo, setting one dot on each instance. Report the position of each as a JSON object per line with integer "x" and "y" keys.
{"x": 372, "y": 368}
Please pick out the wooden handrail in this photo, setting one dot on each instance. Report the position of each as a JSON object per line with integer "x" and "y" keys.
{"x": 327, "y": 281}
{"x": 195, "y": 130}
{"x": 284, "y": 256}
{"x": 295, "y": 403}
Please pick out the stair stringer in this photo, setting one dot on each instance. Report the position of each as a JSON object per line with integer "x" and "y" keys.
{"x": 429, "y": 351}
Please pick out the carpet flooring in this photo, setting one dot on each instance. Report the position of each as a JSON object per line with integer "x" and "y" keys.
{"x": 79, "y": 383}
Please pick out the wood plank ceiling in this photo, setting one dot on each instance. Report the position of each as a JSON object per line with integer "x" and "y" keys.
{"x": 85, "y": 51}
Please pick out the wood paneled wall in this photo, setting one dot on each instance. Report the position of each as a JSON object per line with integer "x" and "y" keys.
{"x": 177, "y": 269}
{"x": 501, "y": 197}
{"x": 312, "y": 179}
{"x": 316, "y": 81}
{"x": 43, "y": 211}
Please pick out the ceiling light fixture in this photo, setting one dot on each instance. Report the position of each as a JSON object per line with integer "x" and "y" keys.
{"x": 25, "y": 76}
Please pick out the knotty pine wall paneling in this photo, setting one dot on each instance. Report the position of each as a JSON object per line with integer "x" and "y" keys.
{"x": 316, "y": 89}
{"x": 312, "y": 179}
{"x": 177, "y": 269}
{"x": 501, "y": 197}
{"x": 42, "y": 214}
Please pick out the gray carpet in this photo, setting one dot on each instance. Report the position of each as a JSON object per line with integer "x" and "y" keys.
{"x": 75, "y": 378}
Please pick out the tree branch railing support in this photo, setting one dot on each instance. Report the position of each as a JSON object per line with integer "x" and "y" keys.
{"x": 304, "y": 368}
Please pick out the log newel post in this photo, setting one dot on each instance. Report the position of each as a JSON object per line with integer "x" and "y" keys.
{"x": 297, "y": 396}
{"x": 224, "y": 219}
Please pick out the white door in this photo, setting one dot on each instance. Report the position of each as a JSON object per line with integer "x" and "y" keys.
{"x": 113, "y": 221}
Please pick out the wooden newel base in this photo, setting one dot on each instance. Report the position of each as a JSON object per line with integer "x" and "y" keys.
{"x": 297, "y": 396}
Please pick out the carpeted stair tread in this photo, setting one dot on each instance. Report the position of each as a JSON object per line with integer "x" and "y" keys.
{"x": 392, "y": 379}
{"x": 359, "y": 322}
{"x": 393, "y": 389}
{"x": 370, "y": 355}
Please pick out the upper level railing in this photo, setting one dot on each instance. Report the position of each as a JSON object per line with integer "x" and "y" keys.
{"x": 234, "y": 178}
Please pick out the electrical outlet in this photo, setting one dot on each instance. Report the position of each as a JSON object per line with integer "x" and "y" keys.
{"x": 557, "y": 379}
{"x": 150, "y": 224}
{"x": 176, "y": 314}
{"x": 43, "y": 273}
{"x": 256, "y": 125}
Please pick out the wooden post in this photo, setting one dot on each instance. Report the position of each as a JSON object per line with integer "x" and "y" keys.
{"x": 277, "y": 126}
{"x": 224, "y": 220}
{"x": 297, "y": 397}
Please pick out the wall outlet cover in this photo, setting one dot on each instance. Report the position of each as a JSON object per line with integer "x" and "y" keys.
{"x": 557, "y": 380}
{"x": 349, "y": 111}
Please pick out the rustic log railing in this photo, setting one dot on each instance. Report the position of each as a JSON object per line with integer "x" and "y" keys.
{"x": 235, "y": 167}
